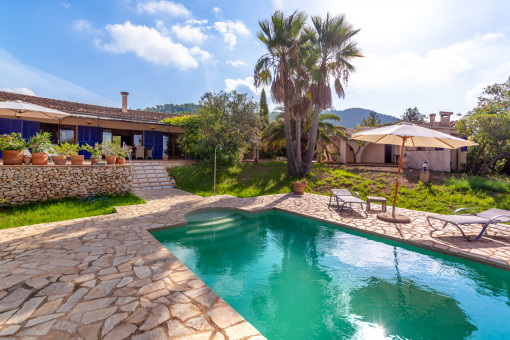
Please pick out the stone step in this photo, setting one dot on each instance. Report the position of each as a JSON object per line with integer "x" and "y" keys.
{"x": 149, "y": 179}
{"x": 156, "y": 186}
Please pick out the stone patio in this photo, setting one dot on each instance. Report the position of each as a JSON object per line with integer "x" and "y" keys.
{"x": 107, "y": 277}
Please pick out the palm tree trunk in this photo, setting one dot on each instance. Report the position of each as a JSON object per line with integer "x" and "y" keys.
{"x": 291, "y": 161}
{"x": 298, "y": 141}
{"x": 307, "y": 164}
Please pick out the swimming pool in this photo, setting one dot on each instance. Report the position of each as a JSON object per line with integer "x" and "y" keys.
{"x": 296, "y": 278}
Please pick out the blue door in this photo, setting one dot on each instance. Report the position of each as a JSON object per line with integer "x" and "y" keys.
{"x": 30, "y": 129}
{"x": 154, "y": 139}
{"x": 7, "y": 126}
{"x": 89, "y": 135}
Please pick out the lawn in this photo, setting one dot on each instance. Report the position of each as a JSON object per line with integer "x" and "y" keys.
{"x": 445, "y": 193}
{"x": 66, "y": 209}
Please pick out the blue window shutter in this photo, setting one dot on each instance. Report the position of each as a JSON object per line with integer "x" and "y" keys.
{"x": 30, "y": 129}
{"x": 154, "y": 139}
{"x": 464, "y": 148}
{"x": 88, "y": 135}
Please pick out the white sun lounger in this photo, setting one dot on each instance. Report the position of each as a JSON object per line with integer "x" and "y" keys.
{"x": 485, "y": 218}
{"x": 345, "y": 197}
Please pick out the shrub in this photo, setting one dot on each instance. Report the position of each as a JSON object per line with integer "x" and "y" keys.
{"x": 66, "y": 149}
{"x": 95, "y": 151}
{"x": 14, "y": 141}
{"x": 40, "y": 142}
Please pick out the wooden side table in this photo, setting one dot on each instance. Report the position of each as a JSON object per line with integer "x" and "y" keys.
{"x": 374, "y": 199}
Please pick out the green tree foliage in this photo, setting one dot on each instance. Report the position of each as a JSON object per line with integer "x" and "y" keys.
{"x": 300, "y": 63}
{"x": 372, "y": 120}
{"x": 264, "y": 108}
{"x": 413, "y": 116}
{"x": 175, "y": 108}
{"x": 488, "y": 124}
{"x": 230, "y": 119}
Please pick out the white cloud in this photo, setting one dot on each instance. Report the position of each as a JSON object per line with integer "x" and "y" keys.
{"x": 163, "y": 7}
{"x": 20, "y": 90}
{"x": 85, "y": 26}
{"x": 217, "y": 11}
{"x": 196, "y": 22}
{"x": 25, "y": 79}
{"x": 236, "y": 63}
{"x": 151, "y": 45}
{"x": 189, "y": 33}
{"x": 242, "y": 85}
{"x": 230, "y": 30}
{"x": 66, "y": 5}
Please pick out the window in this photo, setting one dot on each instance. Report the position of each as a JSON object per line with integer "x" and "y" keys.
{"x": 137, "y": 138}
{"x": 67, "y": 134}
{"x": 107, "y": 135}
{"x": 51, "y": 128}
{"x": 464, "y": 148}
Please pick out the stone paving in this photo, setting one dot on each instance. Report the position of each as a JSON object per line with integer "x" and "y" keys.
{"x": 106, "y": 277}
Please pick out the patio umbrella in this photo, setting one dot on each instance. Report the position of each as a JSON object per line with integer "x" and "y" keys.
{"x": 19, "y": 109}
{"x": 407, "y": 134}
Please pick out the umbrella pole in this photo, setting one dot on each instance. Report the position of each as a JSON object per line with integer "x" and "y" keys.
{"x": 398, "y": 174}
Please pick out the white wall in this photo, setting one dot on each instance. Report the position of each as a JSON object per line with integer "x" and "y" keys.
{"x": 439, "y": 160}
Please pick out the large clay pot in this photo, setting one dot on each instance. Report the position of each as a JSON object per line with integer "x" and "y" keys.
{"x": 120, "y": 160}
{"x": 39, "y": 158}
{"x": 110, "y": 159}
{"x": 59, "y": 160}
{"x": 299, "y": 187}
{"x": 12, "y": 157}
{"x": 94, "y": 160}
{"x": 77, "y": 159}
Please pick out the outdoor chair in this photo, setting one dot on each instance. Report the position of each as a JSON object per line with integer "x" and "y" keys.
{"x": 345, "y": 197}
{"x": 485, "y": 218}
{"x": 140, "y": 152}
{"x": 149, "y": 153}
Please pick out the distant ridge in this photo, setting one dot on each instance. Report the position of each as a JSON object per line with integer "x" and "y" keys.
{"x": 354, "y": 116}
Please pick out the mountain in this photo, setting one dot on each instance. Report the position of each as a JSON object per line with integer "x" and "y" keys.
{"x": 354, "y": 116}
{"x": 174, "y": 108}
{"x": 351, "y": 117}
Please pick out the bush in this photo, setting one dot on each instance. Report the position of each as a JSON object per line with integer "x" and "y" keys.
{"x": 14, "y": 141}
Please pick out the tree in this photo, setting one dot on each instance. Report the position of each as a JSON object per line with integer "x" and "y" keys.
{"x": 299, "y": 65}
{"x": 372, "y": 120}
{"x": 264, "y": 109}
{"x": 413, "y": 116}
{"x": 227, "y": 118}
{"x": 488, "y": 125}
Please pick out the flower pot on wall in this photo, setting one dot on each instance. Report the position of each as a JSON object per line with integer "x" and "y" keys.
{"x": 94, "y": 160}
{"x": 110, "y": 159}
{"x": 59, "y": 160}
{"x": 77, "y": 159}
{"x": 120, "y": 160}
{"x": 39, "y": 158}
{"x": 165, "y": 157}
{"x": 12, "y": 157}
{"x": 299, "y": 187}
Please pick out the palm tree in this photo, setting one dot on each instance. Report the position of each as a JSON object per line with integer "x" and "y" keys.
{"x": 332, "y": 39}
{"x": 283, "y": 38}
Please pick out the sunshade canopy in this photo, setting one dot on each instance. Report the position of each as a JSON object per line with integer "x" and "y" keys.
{"x": 414, "y": 135}
{"x": 19, "y": 109}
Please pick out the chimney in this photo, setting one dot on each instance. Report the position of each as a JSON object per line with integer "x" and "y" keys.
{"x": 445, "y": 118}
{"x": 124, "y": 101}
{"x": 432, "y": 118}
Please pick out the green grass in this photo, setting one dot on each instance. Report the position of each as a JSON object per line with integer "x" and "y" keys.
{"x": 251, "y": 179}
{"x": 66, "y": 209}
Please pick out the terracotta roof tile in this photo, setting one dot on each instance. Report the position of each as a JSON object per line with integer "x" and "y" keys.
{"x": 82, "y": 108}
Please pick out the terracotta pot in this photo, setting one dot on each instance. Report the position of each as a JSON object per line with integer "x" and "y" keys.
{"x": 77, "y": 159}
{"x": 39, "y": 158}
{"x": 299, "y": 187}
{"x": 165, "y": 157}
{"x": 120, "y": 160}
{"x": 27, "y": 160}
{"x": 94, "y": 160}
{"x": 12, "y": 157}
{"x": 59, "y": 160}
{"x": 110, "y": 159}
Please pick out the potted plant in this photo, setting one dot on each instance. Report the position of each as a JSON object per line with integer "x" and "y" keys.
{"x": 121, "y": 155}
{"x": 95, "y": 152}
{"x": 299, "y": 187}
{"x": 40, "y": 144}
{"x": 63, "y": 151}
{"x": 110, "y": 152}
{"x": 75, "y": 158}
{"x": 12, "y": 147}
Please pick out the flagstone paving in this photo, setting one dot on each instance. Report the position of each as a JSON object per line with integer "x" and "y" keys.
{"x": 106, "y": 277}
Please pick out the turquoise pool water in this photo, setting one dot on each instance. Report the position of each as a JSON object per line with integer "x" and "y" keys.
{"x": 295, "y": 278}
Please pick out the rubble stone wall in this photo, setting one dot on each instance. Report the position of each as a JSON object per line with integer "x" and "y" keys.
{"x": 32, "y": 183}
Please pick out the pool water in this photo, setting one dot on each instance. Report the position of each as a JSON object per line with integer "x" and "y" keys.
{"x": 296, "y": 278}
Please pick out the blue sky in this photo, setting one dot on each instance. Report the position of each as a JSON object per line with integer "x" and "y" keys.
{"x": 435, "y": 55}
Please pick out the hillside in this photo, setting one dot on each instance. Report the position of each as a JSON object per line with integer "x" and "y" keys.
{"x": 174, "y": 108}
{"x": 354, "y": 116}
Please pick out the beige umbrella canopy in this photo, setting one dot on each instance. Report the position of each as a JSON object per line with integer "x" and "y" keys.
{"x": 22, "y": 110}
{"x": 407, "y": 134}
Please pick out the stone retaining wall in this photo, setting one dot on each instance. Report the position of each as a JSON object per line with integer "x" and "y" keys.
{"x": 31, "y": 183}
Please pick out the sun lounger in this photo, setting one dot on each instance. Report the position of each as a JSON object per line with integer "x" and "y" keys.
{"x": 485, "y": 218}
{"x": 345, "y": 197}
